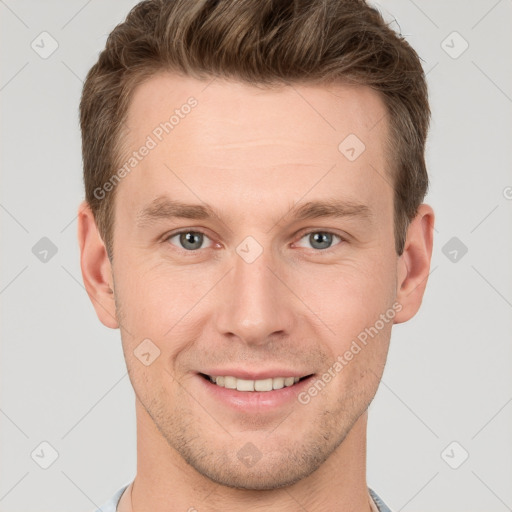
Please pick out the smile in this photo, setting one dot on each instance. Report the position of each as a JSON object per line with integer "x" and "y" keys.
{"x": 269, "y": 384}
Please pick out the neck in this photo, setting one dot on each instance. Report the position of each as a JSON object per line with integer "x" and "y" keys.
{"x": 165, "y": 482}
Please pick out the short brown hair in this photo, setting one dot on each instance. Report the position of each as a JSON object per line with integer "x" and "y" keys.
{"x": 264, "y": 42}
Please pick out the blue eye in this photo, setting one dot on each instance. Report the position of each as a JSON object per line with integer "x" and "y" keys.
{"x": 321, "y": 240}
{"x": 194, "y": 240}
{"x": 189, "y": 240}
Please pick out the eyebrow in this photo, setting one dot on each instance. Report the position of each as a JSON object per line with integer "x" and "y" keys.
{"x": 331, "y": 208}
{"x": 164, "y": 208}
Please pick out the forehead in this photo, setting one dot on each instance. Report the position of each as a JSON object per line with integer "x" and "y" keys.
{"x": 322, "y": 112}
{"x": 221, "y": 133}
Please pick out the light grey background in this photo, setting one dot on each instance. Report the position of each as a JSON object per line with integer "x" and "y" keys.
{"x": 448, "y": 377}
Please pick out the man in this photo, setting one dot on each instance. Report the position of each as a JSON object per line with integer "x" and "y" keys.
{"x": 254, "y": 226}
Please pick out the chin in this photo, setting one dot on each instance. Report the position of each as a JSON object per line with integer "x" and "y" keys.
{"x": 264, "y": 476}
{"x": 247, "y": 468}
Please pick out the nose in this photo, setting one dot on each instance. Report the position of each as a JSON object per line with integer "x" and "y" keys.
{"x": 255, "y": 306}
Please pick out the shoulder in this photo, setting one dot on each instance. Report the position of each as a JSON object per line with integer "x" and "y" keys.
{"x": 381, "y": 506}
{"x": 111, "y": 504}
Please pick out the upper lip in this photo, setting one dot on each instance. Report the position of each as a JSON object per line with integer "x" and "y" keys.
{"x": 254, "y": 374}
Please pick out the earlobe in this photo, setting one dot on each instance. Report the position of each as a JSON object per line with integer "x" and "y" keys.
{"x": 96, "y": 267}
{"x": 414, "y": 263}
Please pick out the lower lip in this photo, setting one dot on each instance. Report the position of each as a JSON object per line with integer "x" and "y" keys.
{"x": 255, "y": 401}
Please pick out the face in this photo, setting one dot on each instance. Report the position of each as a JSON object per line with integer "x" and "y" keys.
{"x": 253, "y": 248}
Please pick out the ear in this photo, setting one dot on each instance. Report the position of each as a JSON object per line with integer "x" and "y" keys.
{"x": 414, "y": 263}
{"x": 96, "y": 267}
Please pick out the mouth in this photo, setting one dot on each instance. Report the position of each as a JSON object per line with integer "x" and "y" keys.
{"x": 248, "y": 385}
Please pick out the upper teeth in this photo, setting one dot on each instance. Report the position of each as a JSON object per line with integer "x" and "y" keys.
{"x": 254, "y": 385}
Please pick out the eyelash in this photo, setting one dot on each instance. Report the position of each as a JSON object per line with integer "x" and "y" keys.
{"x": 302, "y": 235}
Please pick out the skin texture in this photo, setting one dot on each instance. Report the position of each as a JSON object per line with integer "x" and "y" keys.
{"x": 253, "y": 154}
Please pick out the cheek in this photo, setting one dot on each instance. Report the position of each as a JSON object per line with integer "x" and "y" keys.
{"x": 165, "y": 306}
{"x": 350, "y": 296}
{"x": 350, "y": 300}
{"x": 150, "y": 296}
